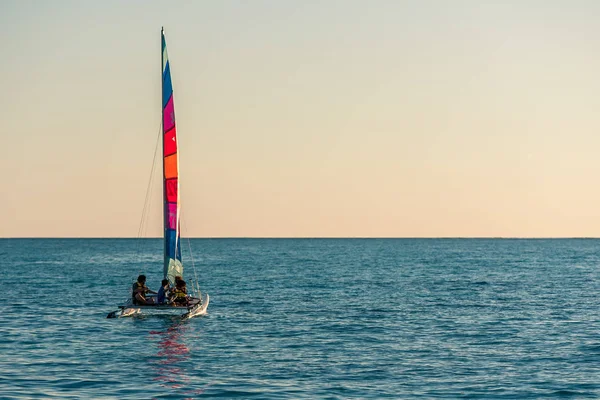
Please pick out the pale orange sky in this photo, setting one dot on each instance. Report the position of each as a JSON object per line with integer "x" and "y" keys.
{"x": 305, "y": 119}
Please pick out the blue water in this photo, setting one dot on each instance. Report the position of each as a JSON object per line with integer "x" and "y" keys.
{"x": 306, "y": 318}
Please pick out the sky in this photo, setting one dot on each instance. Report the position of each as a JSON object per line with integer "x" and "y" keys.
{"x": 423, "y": 118}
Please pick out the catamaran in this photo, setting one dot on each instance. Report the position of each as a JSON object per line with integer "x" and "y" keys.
{"x": 197, "y": 302}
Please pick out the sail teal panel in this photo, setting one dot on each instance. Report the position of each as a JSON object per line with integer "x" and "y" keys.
{"x": 173, "y": 247}
{"x": 167, "y": 86}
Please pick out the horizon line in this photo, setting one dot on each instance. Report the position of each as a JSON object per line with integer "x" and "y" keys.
{"x": 310, "y": 237}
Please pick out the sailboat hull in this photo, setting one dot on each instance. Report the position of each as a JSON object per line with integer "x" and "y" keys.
{"x": 197, "y": 307}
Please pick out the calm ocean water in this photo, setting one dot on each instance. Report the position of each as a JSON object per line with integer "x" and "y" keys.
{"x": 306, "y": 318}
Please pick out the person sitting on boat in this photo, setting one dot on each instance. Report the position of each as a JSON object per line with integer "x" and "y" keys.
{"x": 161, "y": 297}
{"x": 177, "y": 280}
{"x": 139, "y": 290}
{"x": 180, "y": 293}
{"x": 177, "y": 284}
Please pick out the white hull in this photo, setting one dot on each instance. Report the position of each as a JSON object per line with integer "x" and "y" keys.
{"x": 199, "y": 310}
{"x": 198, "y": 307}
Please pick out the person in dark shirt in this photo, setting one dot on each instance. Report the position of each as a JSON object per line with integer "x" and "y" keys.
{"x": 139, "y": 290}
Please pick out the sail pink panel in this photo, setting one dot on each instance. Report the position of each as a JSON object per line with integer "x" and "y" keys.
{"x": 172, "y": 218}
{"x": 170, "y": 146}
{"x": 171, "y": 190}
{"x": 169, "y": 116}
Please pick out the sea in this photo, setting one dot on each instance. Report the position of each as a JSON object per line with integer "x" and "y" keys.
{"x": 305, "y": 319}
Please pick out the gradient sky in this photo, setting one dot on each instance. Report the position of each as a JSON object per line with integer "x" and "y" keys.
{"x": 304, "y": 118}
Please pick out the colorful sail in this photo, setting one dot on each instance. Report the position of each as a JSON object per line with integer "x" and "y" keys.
{"x": 172, "y": 265}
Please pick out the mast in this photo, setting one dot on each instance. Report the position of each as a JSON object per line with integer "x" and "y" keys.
{"x": 173, "y": 266}
{"x": 162, "y": 118}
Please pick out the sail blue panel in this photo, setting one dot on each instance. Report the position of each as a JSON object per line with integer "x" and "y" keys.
{"x": 172, "y": 241}
{"x": 167, "y": 87}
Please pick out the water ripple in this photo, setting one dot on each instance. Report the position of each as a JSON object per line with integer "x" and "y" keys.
{"x": 310, "y": 318}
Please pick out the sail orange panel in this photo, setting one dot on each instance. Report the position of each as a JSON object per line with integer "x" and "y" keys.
{"x": 171, "y": 166}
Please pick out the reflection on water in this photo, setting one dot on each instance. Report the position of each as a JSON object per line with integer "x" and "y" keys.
{"x": 172, "y": 352}
{"x": 172, "y": 356}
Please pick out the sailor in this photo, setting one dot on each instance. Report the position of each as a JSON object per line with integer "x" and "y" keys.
{"x": 139, "y": 290}
{"x": 180, "y": 292}
{"x": 180, "y": 279}
{"x": 162, "y": 292}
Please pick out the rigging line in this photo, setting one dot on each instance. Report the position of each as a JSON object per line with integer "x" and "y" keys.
{"x": 146, "y": 200}
{"x": 149, "y": 206}
{"x": 191, "y": 258}
{"x": 145, "y": 210}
